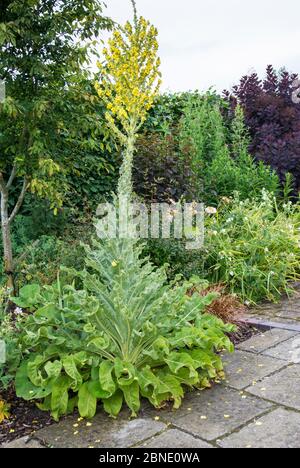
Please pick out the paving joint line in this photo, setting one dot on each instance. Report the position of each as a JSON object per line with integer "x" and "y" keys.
{"x": 247, "y": 423}
{"x": 267, "y": 349}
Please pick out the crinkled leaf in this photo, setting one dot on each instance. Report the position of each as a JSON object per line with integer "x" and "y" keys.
{"x": 173, "y": 385}
{"x": 72, "y": 371}
{"x": 132, "y": 396}
{"x": 97, "y": 391}
{"x": 105, "y": 377}
{"x": 53, "y": 369}
{"x": 113, "y": 404}
{"x": 60, "y": 397}
{"x": 87, "y": 403}
{"x": 178, "y": 360}
{"x": 125, "y": 372}
{"x": 25, "y": 388}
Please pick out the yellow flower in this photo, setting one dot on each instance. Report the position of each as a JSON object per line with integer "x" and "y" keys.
{"x": 130, "y": 76}
{"x": 4, "y": 411}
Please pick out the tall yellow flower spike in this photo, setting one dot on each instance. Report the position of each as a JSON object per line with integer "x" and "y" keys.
{"x": 129, "y": 83}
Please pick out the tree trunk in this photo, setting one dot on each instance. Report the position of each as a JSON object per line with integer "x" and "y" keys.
{"x": 7, "y": 245}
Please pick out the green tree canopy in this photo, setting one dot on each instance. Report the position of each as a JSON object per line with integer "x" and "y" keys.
{"x": 45, "y": 51}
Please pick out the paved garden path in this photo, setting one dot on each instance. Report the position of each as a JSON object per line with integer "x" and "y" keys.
{"x": 286, "y": 312}
{"x": 257, "y": 406}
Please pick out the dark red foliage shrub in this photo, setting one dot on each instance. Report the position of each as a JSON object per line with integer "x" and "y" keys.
{"x": 273, "y": 118}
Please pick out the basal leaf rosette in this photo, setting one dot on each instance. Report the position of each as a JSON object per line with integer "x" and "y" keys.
{"x": 112, "y": 345}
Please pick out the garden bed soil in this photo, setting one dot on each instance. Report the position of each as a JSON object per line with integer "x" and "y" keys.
{"x": 25, "y": 418}
{"x": 245, "y": 332}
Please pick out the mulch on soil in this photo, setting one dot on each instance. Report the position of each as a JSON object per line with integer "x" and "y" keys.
{"x": 25, "y": 418}
{"x": 244, "y": 332}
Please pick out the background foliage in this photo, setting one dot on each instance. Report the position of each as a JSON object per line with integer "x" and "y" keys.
{"x": 273, "y": 119}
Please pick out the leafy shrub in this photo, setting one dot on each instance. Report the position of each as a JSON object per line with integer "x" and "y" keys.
{"x": 220, "y": 159}
{"x": 41, "y": 261}
{"x": 160, "y": 173}
{"x": 194, "y": 154}
{"x": 92, "y": 175}
{"x": 126, "y": 334}
{"x": 169, "y": 108}
{"x": 253, "y": 247}
{"x": 272, "y": 118}
{"x": 9, "y": 324}
{"x": 177, "y": 259}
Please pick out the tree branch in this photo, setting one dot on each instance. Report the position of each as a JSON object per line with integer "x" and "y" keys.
{"x": 20, "y": 201}
{"x": 12, "y": 177}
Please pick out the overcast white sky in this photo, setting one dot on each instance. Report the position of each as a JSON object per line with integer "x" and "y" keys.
{"x": 207, "y": 43}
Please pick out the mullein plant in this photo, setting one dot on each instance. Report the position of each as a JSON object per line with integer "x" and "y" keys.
{"x": 127, "y": 333}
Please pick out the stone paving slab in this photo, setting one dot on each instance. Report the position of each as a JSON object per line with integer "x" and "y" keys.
{"x": 278, "y": 429}
{"x": 212, "y": 413}
{"x": 175, "y": 438}
{"x": 264, "y": 341}
{"x": 242, "y": 412}
{"x": 288, "y": 350}
{"x": 287, "y": 310}
{"x": 101, "y": 432}
{"x": 261, "y": 320}
{"x": 282, "y": 387}
{"x": 23, "y": 442}
{"x": 242, "y": 368}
